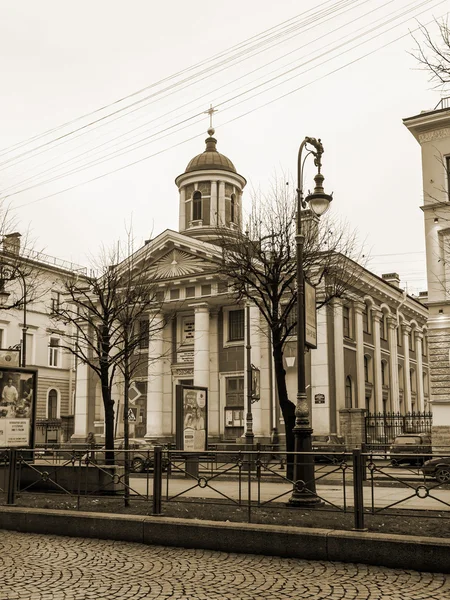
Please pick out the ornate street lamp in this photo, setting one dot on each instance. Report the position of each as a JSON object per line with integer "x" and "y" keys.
{"x": 304, "y": 492}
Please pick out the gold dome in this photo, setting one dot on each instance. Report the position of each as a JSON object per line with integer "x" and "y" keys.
{"x": 210, "y": 159}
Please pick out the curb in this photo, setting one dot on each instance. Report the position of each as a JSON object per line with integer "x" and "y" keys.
{"x": 395, "y": 551}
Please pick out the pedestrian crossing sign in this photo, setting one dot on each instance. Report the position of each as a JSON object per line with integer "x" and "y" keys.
{"x": 132, "y": 414}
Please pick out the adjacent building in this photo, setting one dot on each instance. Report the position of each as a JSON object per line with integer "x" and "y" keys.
{"x": 431, "y": 129}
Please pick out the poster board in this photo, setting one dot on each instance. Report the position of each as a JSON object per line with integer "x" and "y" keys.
{"x": 310, "y": 316}
{"x": 18, "y": 388}
{"x": 192, "y": 418}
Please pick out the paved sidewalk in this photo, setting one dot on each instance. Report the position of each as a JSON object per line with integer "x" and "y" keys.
{"x": 218, "y": 488}
{"x": 36, "y": 567}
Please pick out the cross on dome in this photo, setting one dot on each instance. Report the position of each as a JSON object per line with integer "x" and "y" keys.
{"x": 210, "y": 112}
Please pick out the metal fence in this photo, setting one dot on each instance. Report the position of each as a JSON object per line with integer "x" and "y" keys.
{"x": 383, "y": 428}
{"x": 251, "y": 481}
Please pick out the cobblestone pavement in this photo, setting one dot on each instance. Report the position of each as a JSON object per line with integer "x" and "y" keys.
{"x": 40, "y": 567}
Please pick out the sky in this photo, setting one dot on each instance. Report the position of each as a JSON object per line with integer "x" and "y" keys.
{"x": 339, "y": 70}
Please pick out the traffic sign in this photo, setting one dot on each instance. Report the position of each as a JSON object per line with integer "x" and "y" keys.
{"x": 132, "y": 414}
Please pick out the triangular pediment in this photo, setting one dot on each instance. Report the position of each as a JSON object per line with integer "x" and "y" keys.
{"x": 172, "y": 255}
{"x": 179, "y": 263}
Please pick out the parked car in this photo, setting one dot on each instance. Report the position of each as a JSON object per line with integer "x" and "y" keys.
{"x": 324, "y": 444}
{"x": 439, "y": 468}
{"x": 140, "y": 454}
{"x": 412, "y": 448}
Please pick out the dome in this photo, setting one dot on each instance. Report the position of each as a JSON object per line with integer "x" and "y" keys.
{"x": 210, "y": 158}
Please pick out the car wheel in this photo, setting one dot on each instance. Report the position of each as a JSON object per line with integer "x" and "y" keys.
{"x": 137, "y": 465}
{"x": 443, "y": 474}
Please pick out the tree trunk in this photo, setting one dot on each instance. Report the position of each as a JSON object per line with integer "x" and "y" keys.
{"x": 108, "y": 405}
{"x": 287, "y": 407}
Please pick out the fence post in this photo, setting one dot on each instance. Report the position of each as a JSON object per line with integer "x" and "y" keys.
{"x": 157, "y": 480}
{"x": 358, "y": 497}
{"x": 12, "y": 477}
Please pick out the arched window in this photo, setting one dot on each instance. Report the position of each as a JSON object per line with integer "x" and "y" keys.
{"x": 384, "y": 373}
{"x": 52, "y": 404}
{"x": 233, "y": 209}
{"x": 197, "y": 206}
{"x": 348, "y": 393}
{"x": 366, "y": 369}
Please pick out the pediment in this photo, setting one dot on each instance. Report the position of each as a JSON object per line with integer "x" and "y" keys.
{"x": 179, "y": 263}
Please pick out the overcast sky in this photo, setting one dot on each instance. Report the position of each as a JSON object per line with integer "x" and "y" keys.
{"x": 60, "y": 61}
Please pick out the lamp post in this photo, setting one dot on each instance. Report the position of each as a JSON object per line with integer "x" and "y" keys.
{"x": 7, "y": 275}
{"x": 304, "y": 492}
{"x": 249, "y": 437}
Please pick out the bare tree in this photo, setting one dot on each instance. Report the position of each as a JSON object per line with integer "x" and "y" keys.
{"x": 434, "y": 54}
{"x": 260, "y": 263}
{"x": 105, "y": 311}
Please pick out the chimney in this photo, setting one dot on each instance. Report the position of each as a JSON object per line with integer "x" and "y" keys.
{"x": 11, "y": 243}
{"x": 392, "y": 278}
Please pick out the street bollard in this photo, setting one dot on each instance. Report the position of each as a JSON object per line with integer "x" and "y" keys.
{"x": 157, "y": 480}
{"x": 358, "y": 490}
{"x": 12, "y": 477}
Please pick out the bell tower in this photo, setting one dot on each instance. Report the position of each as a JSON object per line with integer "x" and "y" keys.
{"x": 210, "y": 193}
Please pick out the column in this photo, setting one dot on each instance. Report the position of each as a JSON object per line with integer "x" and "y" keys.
{"x": 182, "y": 213}
{"x": 201, "y": 345}
{"x": 419, "y": 372}
{"x": 255, "y": 354}
{"x": 213, "y": 205}
{"x": 214, "y": 395}
{"x": 155, "y": 376}
{"x": 393, "y": 364}
{"x": 221, "y": 204}
{"x": 406, "y": 367}
{"x": 358, "y": 308}
{"x": 81, "y": 402}
{"x": 378, "y": 387}
{"x": 339, "y": 370}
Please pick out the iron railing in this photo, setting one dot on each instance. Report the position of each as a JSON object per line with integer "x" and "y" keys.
{"x": 357, "y": 483}
{"x": 382, "y": 428}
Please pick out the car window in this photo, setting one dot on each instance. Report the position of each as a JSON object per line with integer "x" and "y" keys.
{"x": 407, "y": 440}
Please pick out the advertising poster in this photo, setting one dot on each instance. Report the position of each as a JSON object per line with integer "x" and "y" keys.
{"x": 17, "y": 407}
{"x": 195, "y": 418}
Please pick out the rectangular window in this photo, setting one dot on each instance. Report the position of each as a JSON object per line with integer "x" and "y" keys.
{"x": 346, "y": 320}
{"x": 236, "y": 325}
{"x": 55, "y": 302}
{"x": 29, "y": 349}
{"x": 206, "y": 290}
{"x": 53, "y": 356}
{"x": 144, "y": 331}
{"x": 190, "y": 292}
{"x": 174, "y": 294}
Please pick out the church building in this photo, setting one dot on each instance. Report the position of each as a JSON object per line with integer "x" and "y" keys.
{"x": 371, "y": 351}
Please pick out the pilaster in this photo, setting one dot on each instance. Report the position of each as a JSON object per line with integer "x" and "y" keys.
{"x": 393, "y": 365}
{"x": 378, "y": 387}
{"x": 358, "y": 308}
{"x": 406, "y": 366}
{"x": 339, "y": 370}
{"x": 213, "y": 205}
{"x": 201, "y": 345}
{"x": 182, "y": 213}
{"x": 419, "y": 372}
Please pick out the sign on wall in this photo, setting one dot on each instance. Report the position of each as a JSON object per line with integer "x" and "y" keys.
{"x": 17, "y": 407}
{"x": 9, "y": 358}
{"x": 192, "y": 418}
